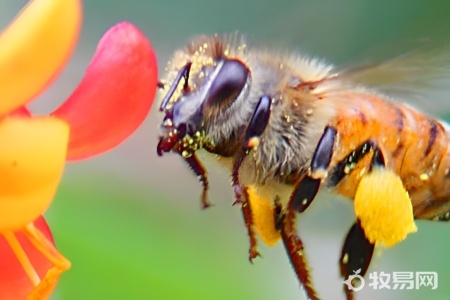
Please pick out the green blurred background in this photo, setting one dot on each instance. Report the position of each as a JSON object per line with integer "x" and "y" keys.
{"x": 131, "y": 222}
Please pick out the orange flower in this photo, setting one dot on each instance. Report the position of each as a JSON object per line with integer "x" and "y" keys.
{"x": 112, "y": 100}
{"x": 17, "y": 252}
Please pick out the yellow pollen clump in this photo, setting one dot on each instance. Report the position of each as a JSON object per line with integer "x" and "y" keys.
{"x": 424, "y": 177}
{"x": 253, "y": 143}
{"x": 263, "y": 216}
{"x": 384, "y": 208}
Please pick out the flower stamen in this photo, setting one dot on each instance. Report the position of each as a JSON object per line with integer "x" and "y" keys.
{"x": 48, "y": 250}
{"x": 22, "y": 257}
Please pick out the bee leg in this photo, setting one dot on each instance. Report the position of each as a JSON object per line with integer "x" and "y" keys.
{"x": 356, "y": 255}
{"x": 437, "y": 209}
{"x": 255, "y": 128}
{"x": 357, "y": 250}
{"x": 197, "y": 167}
{"x": 444, "y": 217}
{"x": 241, "y": 197}
{"x": 307, "y": 188}
{"x": 183, "y": 73}
{"x": 294, "y": 248}
{"x": 345, "y": 166}
{"x": 258, "y": 122}
{"x": 248, "y": 219}
{"x": 239, "y": 194}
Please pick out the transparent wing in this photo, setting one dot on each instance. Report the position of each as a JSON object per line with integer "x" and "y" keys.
{"x": 420, "y": 77}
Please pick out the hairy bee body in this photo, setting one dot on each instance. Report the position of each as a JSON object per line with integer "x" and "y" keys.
{"x": 286, "y": 125}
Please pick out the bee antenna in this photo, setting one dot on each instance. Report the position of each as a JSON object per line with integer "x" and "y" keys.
{"x": 183, "y": 73}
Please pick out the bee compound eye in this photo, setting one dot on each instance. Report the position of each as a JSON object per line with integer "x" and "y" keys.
{"x": 228, "y": 83}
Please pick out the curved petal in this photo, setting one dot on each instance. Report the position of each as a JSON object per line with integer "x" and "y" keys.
{"x": 14, "y": 283}
{"x": 21, "y": 111}
{"x": 35, "y": 47}
{"x": 115, "y": 94}
{"x": 32, "y": 158}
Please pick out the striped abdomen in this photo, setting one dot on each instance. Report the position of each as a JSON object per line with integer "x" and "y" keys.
{"x": 414, "y": 146}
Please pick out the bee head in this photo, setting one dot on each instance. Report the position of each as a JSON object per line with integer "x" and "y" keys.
{"x": 209, "y": 88}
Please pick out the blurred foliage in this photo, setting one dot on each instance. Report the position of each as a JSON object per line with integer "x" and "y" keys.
{"x": 125, "y": 245}
{"x": 128, "y": 244}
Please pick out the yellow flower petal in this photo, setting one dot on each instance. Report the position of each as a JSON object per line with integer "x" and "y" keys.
{"x": 35, "y": 47}
{"x": 263, "y": 216}
{"x": 384, "y": 208}
{"x": 32, "y": 158}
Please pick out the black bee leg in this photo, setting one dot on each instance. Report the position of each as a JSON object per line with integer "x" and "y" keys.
{"x": 294, "y": 248}
{"x": 255, "y": 128}
{"x": 356, "y": 255}
{"x": 345, "y": 166}
{"x": 302, "y": 196}
{"x": 200, "y": 172}
{"x": 307, "y": 188}
{"x": 258, "y": 122}
{"x": 357, "y": 250}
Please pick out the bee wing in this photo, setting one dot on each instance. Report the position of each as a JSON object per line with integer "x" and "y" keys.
{"x": 420, "y": 77}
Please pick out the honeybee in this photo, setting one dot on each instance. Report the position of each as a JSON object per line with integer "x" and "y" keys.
{"x": 286, "y": 126}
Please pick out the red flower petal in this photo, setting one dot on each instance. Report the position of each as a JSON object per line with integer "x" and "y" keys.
{"x": 115, "y": 94}
{"x": 21, "y": 111}
{"x": 14, "y": 283}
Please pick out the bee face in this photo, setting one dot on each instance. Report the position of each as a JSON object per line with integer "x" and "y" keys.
{"x": 215, "y": 87}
